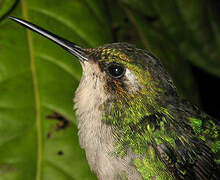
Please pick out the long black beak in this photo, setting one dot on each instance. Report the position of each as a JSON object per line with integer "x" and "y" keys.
{"x": 74, "y": 49}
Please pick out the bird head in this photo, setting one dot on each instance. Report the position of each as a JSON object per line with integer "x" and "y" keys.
{"x": 120, "y": 70}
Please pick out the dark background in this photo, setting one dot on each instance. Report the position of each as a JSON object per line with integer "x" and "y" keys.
{"x": 209, "y": 91}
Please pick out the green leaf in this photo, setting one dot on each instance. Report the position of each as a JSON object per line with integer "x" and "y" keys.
{"x": 38, "y": 132}
{"x": 6, "y": 6}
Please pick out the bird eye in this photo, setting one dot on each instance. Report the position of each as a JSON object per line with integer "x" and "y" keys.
{"x": 115, "y": 70}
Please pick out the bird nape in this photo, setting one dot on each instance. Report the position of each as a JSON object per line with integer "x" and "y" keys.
{"x": 132, "y": 123}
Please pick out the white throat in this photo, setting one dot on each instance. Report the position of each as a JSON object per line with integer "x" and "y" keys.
{"x": 95, "y": 136}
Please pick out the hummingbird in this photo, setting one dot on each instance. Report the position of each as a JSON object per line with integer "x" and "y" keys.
{"x": 132, "y": 123}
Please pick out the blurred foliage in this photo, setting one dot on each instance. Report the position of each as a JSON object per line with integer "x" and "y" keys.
{"x": 6, "y": 6}
{"x": 38, "y": 131}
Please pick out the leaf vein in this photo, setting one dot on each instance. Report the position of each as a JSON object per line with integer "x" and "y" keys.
{"x": 36, "y": 92}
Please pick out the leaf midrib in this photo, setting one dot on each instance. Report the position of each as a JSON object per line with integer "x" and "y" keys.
{"x": 36, "y": 92}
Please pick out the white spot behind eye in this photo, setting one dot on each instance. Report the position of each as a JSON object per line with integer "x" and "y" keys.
{"x": 130, "y": 76}
{"x": 131, "y": 81}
